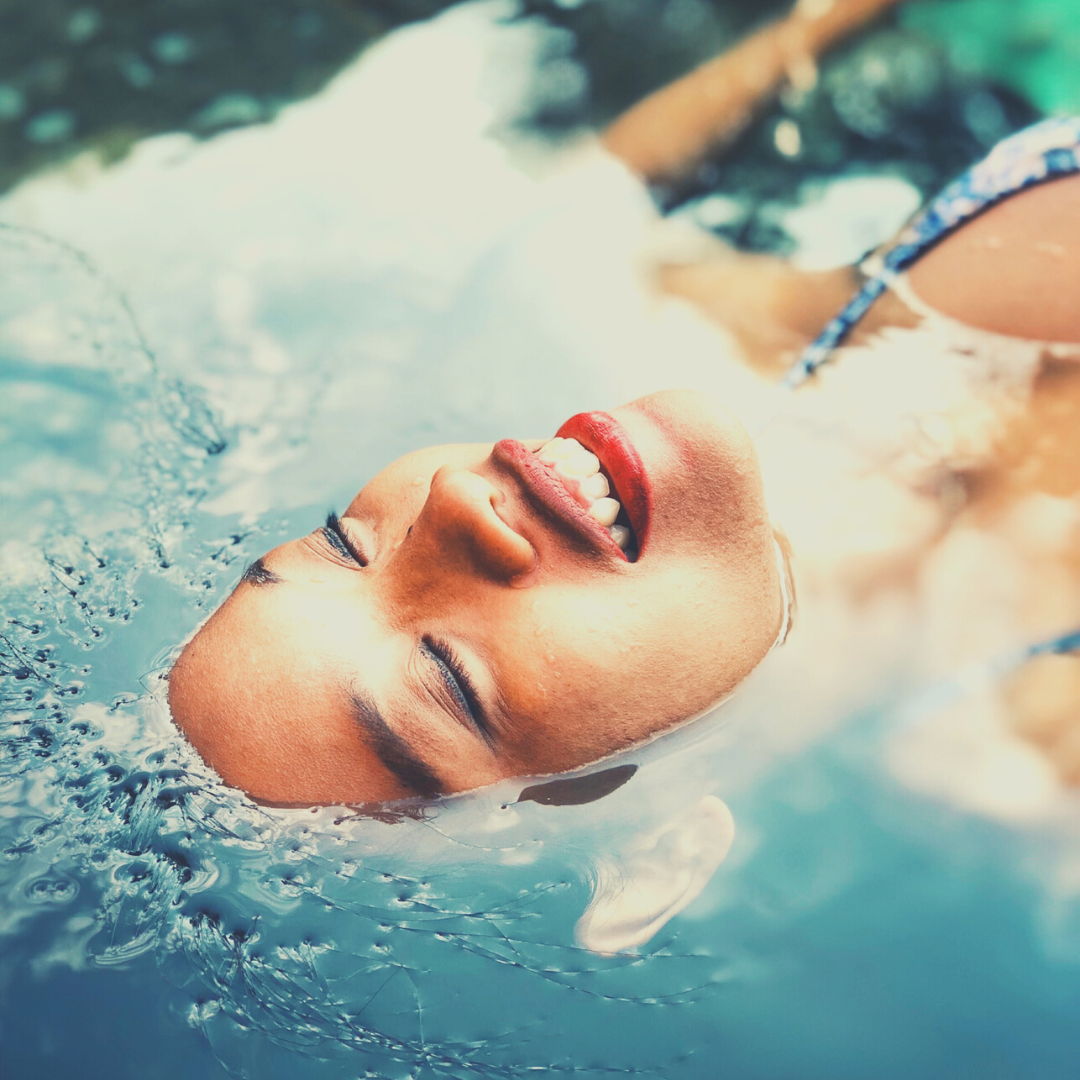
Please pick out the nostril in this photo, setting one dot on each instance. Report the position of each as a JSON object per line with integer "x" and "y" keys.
{"x": 463, "y": 509}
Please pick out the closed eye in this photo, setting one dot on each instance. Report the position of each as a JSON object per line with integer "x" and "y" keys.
{"x": 337, "y": 538}
{"x": 460, "y": 685}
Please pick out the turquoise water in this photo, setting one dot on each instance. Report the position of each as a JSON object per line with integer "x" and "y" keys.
{"x": 204, "y": 348}
{"x": 853, "y": 940}
{"x": 1032, "y": 45}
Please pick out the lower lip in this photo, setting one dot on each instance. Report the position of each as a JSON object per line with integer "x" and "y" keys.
{"x": 551, "y": 497}
{"x": 602, "y": 435}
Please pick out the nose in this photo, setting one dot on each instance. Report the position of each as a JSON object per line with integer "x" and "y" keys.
{"x": 459, "y": 527}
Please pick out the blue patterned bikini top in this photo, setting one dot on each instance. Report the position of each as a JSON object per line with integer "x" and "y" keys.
{"x": 1044, "y": 151}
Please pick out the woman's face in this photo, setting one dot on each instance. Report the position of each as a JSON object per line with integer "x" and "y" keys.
{"x": 469, "y": 619}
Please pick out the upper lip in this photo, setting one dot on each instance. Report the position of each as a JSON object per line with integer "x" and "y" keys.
{"x": 602, "y": 435}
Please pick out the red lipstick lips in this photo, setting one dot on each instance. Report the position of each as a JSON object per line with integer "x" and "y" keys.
{"x": 601, "y": 434}
{"x": 547, "y": 493}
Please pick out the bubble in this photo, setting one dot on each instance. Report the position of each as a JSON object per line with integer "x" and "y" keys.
{"x": 52, "y": 889}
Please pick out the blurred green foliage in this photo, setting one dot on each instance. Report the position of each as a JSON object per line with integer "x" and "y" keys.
{"x": 105, "y": 73}
{"x": 1032, "y": 46}
{"x": 921, "y": 93}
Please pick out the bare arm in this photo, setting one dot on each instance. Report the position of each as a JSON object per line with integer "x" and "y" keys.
{"x": 668, "y": 133}
{"x": 771, "y": 307}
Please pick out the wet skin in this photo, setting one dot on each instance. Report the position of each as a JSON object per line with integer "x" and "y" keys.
{"x": 473, "y": 634}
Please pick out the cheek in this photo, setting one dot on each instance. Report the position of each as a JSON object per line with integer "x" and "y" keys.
{"x": 669, "y": 648}
{"x": 590, "y": 653}
{"x": 721, "y": 520}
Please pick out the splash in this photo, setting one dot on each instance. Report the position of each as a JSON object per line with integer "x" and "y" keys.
{"x": 331, "y": 934}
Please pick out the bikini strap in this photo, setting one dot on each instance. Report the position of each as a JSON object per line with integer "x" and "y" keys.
{"x": 1044, "y": 151}
{"x": 926, "y": 705}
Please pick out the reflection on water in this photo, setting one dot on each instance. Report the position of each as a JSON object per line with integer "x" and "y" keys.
{"x": 204, "y": 347}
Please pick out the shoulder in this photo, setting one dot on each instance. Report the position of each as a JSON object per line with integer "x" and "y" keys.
{"x": 1015, "y": 269}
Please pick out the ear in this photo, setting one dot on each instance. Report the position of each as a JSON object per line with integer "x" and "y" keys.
{"x": 655, "y": 877}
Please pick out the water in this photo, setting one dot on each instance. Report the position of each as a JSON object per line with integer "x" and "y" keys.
{"x": 205, "y": 347}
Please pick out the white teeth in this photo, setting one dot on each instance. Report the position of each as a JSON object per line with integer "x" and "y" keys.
{"x": 580, "y": 464}
{"x": 595, "y": 487}
{"x": 579, "y": 470}
{"x": 621, "y": 535}
{"x": 605, "y": 511}
{"x": 558, "y": 450}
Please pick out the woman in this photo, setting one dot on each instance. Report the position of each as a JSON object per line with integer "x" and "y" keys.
{"x": 485, "y": 612}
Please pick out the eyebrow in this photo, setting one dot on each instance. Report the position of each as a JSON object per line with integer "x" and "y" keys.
{"x": 258, "y": 573}
{"x": 392, "y": 750}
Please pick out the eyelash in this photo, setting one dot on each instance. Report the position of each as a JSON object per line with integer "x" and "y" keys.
{"x": 336, "y": 537}
{"x": 457, "y": 680}
{"x": 442, "y": 654}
